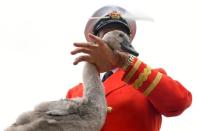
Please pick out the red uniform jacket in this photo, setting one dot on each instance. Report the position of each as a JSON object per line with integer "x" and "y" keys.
{"x": 138, "y": 98}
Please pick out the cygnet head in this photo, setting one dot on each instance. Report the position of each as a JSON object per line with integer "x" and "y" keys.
{"x": 116, "y": 39}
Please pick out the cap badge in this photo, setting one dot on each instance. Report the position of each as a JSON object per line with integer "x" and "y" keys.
{"x": 114, "y": 15}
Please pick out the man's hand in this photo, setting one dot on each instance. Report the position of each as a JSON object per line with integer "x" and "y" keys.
{"x": 98, "y": 53}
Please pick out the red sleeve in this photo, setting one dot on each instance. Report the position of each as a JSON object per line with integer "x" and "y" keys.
{"x": 69, "y": 94}
{"x": 76, "y": 91}
{"x": 168, "y": 96}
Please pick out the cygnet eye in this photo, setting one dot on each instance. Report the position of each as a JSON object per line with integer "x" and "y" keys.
{"x": 121, "y": 35}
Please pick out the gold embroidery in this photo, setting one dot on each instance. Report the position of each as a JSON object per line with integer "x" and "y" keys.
{"x": 132, "y": 71}
{"x": 115, "y": 15}
{"x": 153, "y": 84}
{"x": 142, "y": 77}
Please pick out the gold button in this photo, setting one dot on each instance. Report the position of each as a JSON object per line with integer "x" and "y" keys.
{"x": 109, "y": 109}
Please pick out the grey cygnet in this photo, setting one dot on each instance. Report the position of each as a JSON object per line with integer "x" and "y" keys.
{"x": 87, "y": 113}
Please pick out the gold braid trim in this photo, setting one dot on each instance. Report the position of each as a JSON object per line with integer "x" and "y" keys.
{"x": 132, "y": 71}
{"x": 142, "y": 77}
{"x": 153, "y": 84}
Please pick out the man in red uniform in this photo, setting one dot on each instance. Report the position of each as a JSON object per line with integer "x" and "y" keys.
{"x": 137, "y": 95}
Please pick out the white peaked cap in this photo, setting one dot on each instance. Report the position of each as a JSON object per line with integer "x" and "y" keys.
{"x": 124, "y": 14}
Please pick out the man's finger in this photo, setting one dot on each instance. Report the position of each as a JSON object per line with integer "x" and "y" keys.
{"x": 95, "y": 39}
{"x": 82, "y": 58}
{"x": 86, "y": 45}
{"x": 81, "y": 50}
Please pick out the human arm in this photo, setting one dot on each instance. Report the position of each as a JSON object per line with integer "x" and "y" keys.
{"x": 168, "y": 96}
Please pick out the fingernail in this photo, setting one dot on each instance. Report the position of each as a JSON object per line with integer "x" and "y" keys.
{"x": 74, "y": 63}
{"x": 90, "y": 35}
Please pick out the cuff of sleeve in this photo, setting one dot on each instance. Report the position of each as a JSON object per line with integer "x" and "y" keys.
{"x": 142, "y": 77}
{"x": 132, "y": 72}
